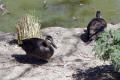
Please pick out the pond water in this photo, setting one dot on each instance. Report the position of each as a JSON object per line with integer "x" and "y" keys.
{"x": 62, "y": 13}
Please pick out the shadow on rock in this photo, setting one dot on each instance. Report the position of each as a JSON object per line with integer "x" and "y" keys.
{"x": 22, "y": 59}
{"x": 14, "y": 41}
{"x": 84, "y": 36}
{"x": 98, "y": 73}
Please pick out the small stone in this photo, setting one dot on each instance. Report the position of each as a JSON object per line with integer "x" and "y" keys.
{"x": 6, "y": 45}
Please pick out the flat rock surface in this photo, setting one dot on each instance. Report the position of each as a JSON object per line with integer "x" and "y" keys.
{"x": 72, "y": 60}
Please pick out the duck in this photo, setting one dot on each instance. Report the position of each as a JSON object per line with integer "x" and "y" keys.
{"x": 38, "y": 48}
{"x": 96, "y": 27}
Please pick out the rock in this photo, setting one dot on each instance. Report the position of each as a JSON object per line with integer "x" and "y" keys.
{"x": 72, "y": 53}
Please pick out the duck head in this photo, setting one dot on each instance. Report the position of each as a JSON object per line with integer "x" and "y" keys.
{"x": 98, "y": 14}
{"x": 49, "y": 41}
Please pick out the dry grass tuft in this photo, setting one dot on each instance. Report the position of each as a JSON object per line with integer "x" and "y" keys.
{"x": 28, "y": 27}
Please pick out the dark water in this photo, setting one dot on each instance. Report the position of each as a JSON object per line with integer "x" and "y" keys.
{"x": 62, "y": 13}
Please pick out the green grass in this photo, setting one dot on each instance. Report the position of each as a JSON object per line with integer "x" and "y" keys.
{"x": 108, "y": 47}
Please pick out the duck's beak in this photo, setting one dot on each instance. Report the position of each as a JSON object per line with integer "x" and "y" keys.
{"x": 53, "y": 44}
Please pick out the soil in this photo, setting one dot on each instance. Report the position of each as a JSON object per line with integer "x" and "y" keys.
{"x": 72, "y": 60}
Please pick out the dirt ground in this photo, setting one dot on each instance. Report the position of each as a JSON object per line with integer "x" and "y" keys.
{"x": 72, "y": 60}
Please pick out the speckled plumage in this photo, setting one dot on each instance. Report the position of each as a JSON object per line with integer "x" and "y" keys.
{"x": 37, "y": 47}
{"x": 96, "y": 27}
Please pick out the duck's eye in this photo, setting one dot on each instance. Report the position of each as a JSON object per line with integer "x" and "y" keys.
{"x": 48, "y": 38}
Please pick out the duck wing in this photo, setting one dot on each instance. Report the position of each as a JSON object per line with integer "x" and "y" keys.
{"x": 31, "y": 45}
{"x": 95, "y": 26}
{"x": 100, "y": 29}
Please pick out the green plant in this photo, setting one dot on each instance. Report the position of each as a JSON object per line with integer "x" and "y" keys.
{"x": 107, "y": 47}
{"x": 28, "y": 27}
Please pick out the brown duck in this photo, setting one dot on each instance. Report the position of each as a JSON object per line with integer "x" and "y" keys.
{"x": 96, "y": 27}
{"x": 39, "y": 48}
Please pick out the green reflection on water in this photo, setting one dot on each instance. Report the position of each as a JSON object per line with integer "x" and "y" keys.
{"x": 59, "y": 12}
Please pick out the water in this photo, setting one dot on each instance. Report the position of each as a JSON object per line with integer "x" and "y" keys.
{"x": 62, "y": 13}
